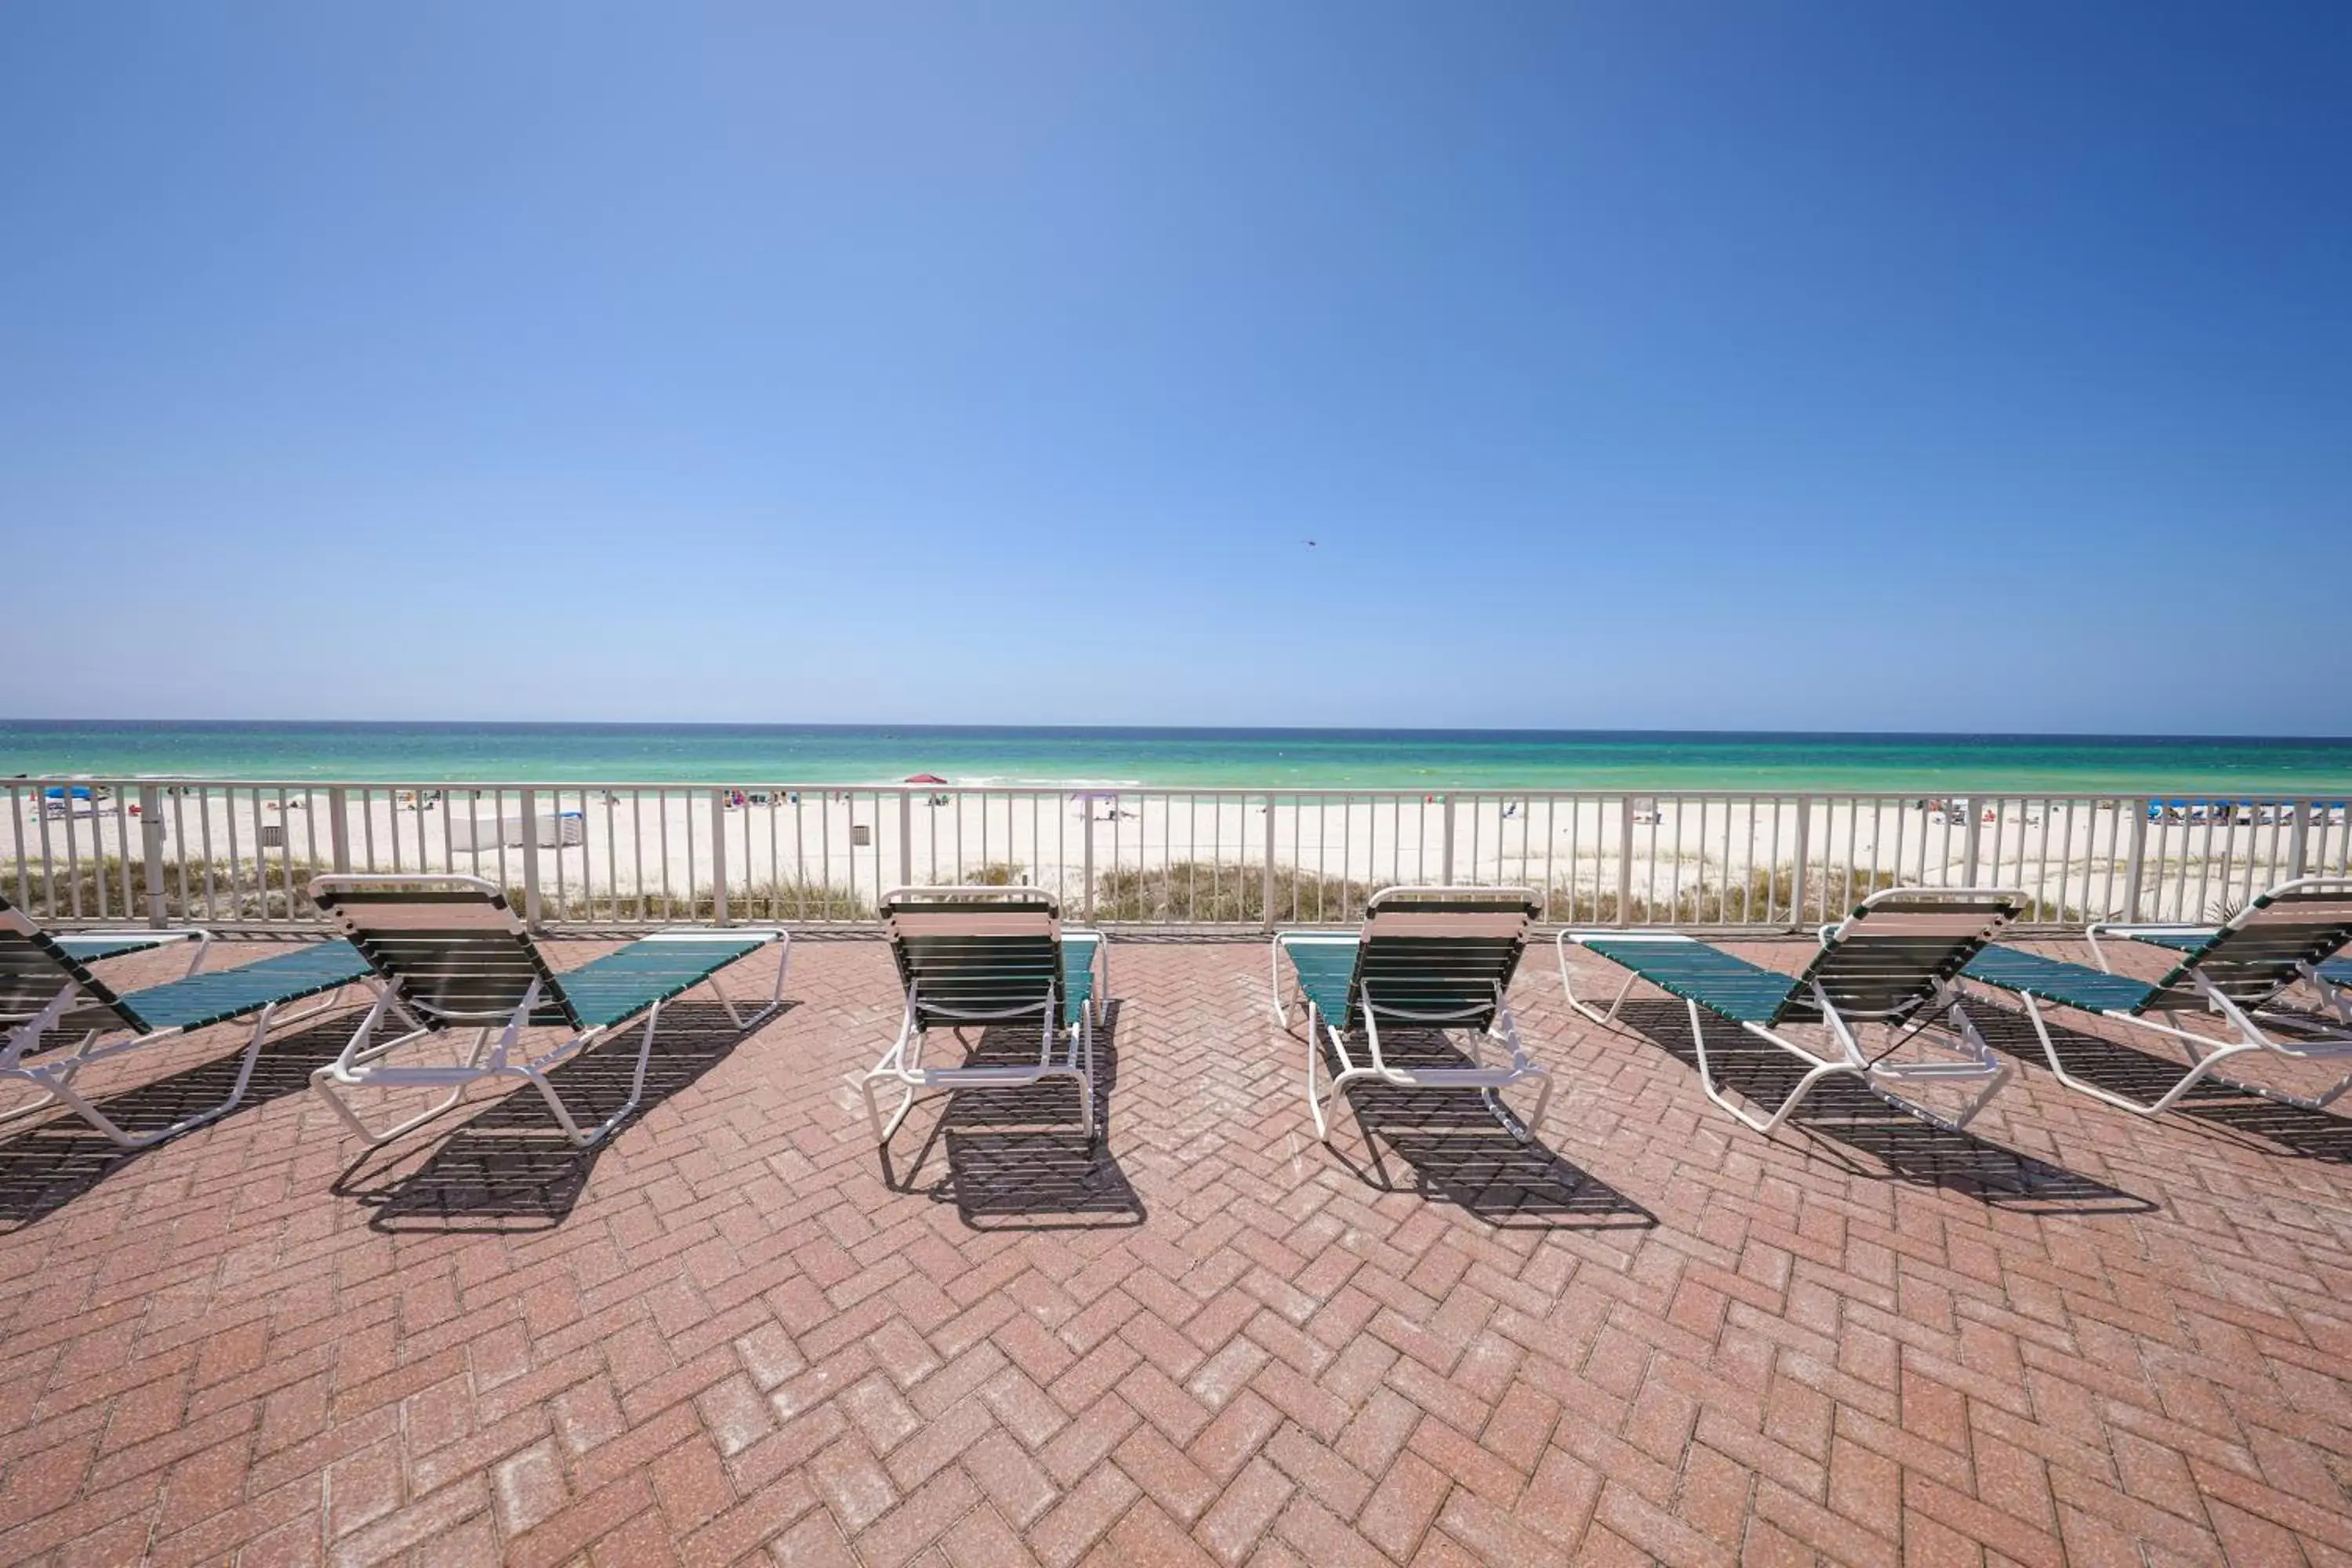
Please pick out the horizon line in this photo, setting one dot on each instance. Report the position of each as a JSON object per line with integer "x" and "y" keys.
{"x": 642, "y": 724}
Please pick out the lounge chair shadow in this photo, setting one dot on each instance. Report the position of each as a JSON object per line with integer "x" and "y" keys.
{"x": 2143, "y": 1076}
{"x": 1841, "y": 1112}
{"x": 46, "y": 1165}
{"x": 1459, "y": 1153}
{"x": 1045, "y": 1177}
{"x": 508, "y": 1168}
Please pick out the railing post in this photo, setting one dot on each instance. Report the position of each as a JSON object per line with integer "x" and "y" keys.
{"x": 2138, "y": 861}
{"x": 150, "y": 835}
{"x": 907, "y": 838}
{"x": 718, "y": 856}
{"x": 1445, "y": 867}
{"x": 530, "y": 857}
{"x": 1625, "y": 859}
{"x": 1975, "y": 840}
{"x": 2297, "y": 848}
{"x": 1266, "y": 892}
{"x": 339, "y": 827}
{"x": 1086, "y": 899}
{"x": 1804, "y": 857}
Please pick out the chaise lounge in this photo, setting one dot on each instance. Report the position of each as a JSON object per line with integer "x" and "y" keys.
{"x": 2236, "y": 971}
{"x": 2331, "y": 977}
{"x": 1894, "y": 961}
{"x": 972, "y": 956}
{"x": 1430, "y": 958}
{"x": 449, "y": 952}
{"x": 48, "y": 996}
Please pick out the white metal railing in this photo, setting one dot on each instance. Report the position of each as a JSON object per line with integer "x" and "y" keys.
{"x": 236, "y": 854}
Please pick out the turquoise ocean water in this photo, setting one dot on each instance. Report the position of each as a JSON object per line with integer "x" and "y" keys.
{"x": 1363, "y": 759}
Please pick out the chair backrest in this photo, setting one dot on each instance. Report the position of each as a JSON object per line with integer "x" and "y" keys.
{"x": 34, "y": 969}
{"x": 964, "y": 953}
{"x": 451, "y": 945}
{"x": 1889, "y": 954}
{"x": 2256, "y": 954}
{"x": 1441, "y": 952}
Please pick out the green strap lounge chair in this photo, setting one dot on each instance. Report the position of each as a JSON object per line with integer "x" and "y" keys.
{"x": 2235, "y": 970}
{"x": 60, "y": 1018}
{"x": 970, "y": 957}
{"x": 1427, "y": 958}
{"x": 2331, "y": 978}
{"x": 451, "y": 953}
{"x": 1894, "y": 961}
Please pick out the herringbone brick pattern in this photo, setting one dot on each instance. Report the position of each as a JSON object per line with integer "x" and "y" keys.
{"x": 731, "y": 1336}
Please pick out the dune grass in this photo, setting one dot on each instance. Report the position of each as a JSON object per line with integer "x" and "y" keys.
{"x": 1195, "y": 893}
{"x": 233, "y": 892}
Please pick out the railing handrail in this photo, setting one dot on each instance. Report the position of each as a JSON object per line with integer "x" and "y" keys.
{"x": 2332, "y": 795}
{"x": 598, "y": 853}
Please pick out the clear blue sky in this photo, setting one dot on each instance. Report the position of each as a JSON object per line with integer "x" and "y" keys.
{"x": 1754, "y": 365}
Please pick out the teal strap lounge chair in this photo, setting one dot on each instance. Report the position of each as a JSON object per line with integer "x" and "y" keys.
{"x": 1427, "y": 958}
{"x": 2331, "y": 978}
{"x": 970, "y": 957}
{"x": 451, "y": 953}
{"x": 1894, "y": 961}
{"x": 2235, "y": 970}
{"x": 60, "y": 1018}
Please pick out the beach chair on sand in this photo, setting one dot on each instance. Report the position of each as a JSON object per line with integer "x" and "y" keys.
{"x": 1427, "y": 958}
{"x": 452, "y": 955}
{"x": 1894, "y": 961}
{"x": 2235, "y": 970}
{"x": 970, "y": 957}
{"x": 60, "y": 1018}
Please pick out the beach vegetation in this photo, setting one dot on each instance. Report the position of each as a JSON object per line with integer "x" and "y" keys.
{"x": 231, "y": 892}
{"x": 110, "y": 888}
{"x": 1222, "y": 892}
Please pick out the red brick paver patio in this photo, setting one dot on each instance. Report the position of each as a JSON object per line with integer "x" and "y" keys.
{"x": 2079, "y": 1336}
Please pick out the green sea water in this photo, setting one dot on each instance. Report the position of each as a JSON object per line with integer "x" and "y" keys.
{"x": 1662, "y": 760}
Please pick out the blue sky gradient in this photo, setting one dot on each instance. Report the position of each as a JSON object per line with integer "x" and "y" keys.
{"x": 1773, "y": 365}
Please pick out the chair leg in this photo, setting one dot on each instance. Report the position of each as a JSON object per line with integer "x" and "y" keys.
{"x": 72, "y": 1099}
{"x": 1766, "y": 1125}
{"x": 883, "y": 1133}
{"x": 323, "y": 1082}
{"x": 579, "y": 1137}
{"x": 351, "y": 1117}
{"x": 1087, "y": 1079}
{"x": 736, "y": 1018}
{"x": 1984, "y": 1098}
{"x": 563, "y": 1119}
{"x": 1274, "y": 989}
{"x": 1349, "y": 1073}
{"x": 1608, "y": 1019}
{"x": 905, "y": 1053}
{"x": 1524, "y": 1129}
{"x": 2198, "y": 1072}
{"x": 61, "y": 1089}
{"x": 1314, "y": 1098}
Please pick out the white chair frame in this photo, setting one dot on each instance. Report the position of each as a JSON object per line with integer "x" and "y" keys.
{"x": 54, "y": 1074}
{"x": 902, "y": 1063}
{"x": 1490, "y": 1079}
{"x": 2205, "y": 1053}
{"x": 494, "y": 1054}
{"x": 1976, "y": 1058}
